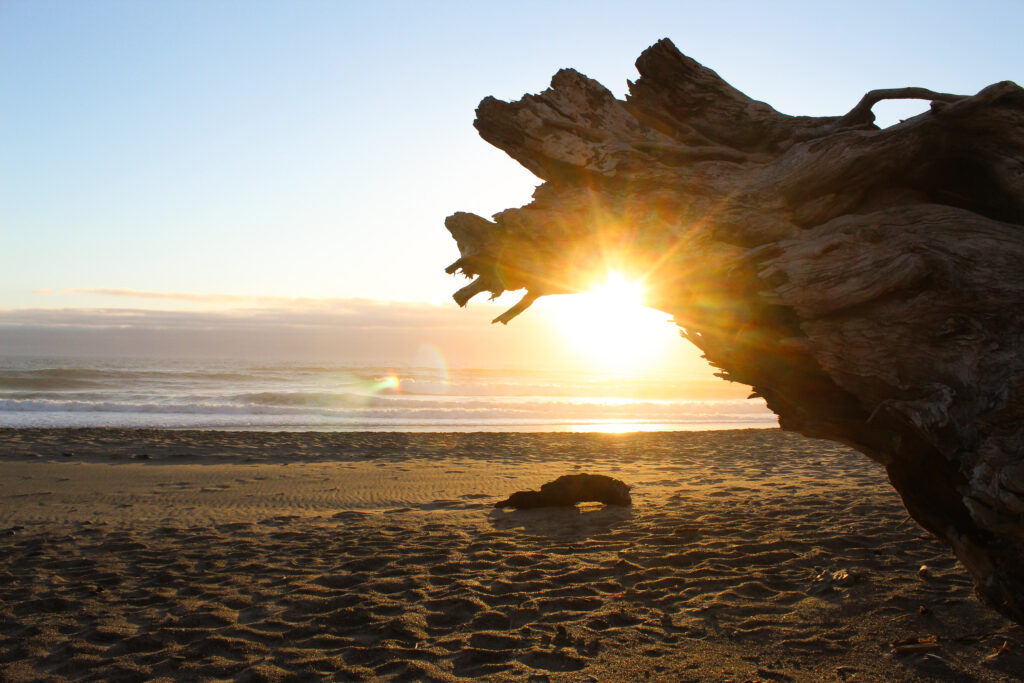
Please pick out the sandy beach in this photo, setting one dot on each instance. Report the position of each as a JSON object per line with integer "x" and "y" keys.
{"x": 749, "y": 555}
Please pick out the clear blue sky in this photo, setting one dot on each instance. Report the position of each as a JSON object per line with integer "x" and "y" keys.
{"x": 314, "y": 148}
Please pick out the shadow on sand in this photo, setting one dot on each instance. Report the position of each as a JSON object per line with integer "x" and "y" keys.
{"x": 568, "y": 523}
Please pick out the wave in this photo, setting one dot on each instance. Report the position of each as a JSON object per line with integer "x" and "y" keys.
{"x": 51, "y": 378}
{"x": 237, "y": 394}
{"x": 535, "y": 410}
{"x": 178, "y": 377}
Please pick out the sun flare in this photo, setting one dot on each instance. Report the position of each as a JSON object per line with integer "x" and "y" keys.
{"x": 610, "y": 327}
{"x": 618, "y": 291}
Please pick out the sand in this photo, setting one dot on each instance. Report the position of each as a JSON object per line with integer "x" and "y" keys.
{"x": 747, "y": 555}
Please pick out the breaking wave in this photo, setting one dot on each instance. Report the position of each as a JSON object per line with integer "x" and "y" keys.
{"x": 81, "y": 393}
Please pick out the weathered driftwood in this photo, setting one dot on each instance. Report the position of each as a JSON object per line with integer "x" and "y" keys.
{"x": 867, "y": 283}
{"x": 570, "y": 489}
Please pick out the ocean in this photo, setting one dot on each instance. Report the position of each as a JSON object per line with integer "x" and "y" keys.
{"x": 245, "y": 395}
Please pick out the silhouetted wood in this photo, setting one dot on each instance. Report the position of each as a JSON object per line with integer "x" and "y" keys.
{"x": 867, "y": 283}
{"x": 570, "y": 489}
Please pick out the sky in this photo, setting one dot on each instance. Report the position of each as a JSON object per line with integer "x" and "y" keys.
{"x": 186, "y": 165}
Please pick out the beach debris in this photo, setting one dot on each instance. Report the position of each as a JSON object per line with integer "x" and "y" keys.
{"x": 570, "y": 489}
{"x": 845, "y": 672}
{"x": 830, "y": 580}
{"x": 925, "y": 573}
{"x": 866, "y": 283}
{"x": 909, "y": 646}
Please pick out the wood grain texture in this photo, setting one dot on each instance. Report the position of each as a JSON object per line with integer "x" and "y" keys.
{"x": 867, "y": 282}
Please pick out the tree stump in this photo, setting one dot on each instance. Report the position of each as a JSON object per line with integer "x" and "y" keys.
{"x": 868, "y": 283}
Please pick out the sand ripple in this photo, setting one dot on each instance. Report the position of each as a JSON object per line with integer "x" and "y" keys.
{"x": 724, "y": 568}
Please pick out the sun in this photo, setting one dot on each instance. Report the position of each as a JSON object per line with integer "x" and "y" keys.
{"x": 608, "y": 327}
{"x": 619, "y": 292}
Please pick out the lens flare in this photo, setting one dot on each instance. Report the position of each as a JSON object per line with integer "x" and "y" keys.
{"x": 430, "y": 359}
{"x": 390, "y": 383}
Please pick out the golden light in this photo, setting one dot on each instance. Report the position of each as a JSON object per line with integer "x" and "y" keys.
{"x": 613, "y": 427}
{"x": 618, "y": 291}
{"x": 610, "y": 328}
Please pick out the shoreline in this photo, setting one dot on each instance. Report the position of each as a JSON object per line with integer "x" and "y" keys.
{"x": 378, "y": 556}
{"x": 115, "y": 442}
{"x": 565, "y": 427}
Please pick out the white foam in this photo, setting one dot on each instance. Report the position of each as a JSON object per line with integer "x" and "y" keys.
{"x": 80, "y": 393}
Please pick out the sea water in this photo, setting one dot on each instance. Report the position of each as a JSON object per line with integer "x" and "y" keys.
{"x": 204, "y": 394}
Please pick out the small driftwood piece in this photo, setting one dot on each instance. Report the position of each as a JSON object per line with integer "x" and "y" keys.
{"x": 868, "y": 283}
{"x": 570, "y": 489}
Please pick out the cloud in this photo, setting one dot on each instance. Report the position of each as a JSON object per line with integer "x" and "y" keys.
{"x": 304, "y": 328}
{"x": 351, "y": 330}
{"x": 235, "y": 300}
{"x": 235, "y": 310}
{"x": 194, "y": 297}
{"x": 334, "y": 313}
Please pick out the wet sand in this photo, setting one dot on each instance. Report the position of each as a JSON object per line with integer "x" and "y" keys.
{"x": 747, "y": 555}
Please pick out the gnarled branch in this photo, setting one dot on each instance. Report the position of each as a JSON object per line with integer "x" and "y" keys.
{"x": 866, "y": 282}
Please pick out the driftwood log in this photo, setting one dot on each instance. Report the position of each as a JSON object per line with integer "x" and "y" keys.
{"x": 570, "y": 489}
{"x": 868, "y": 283}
